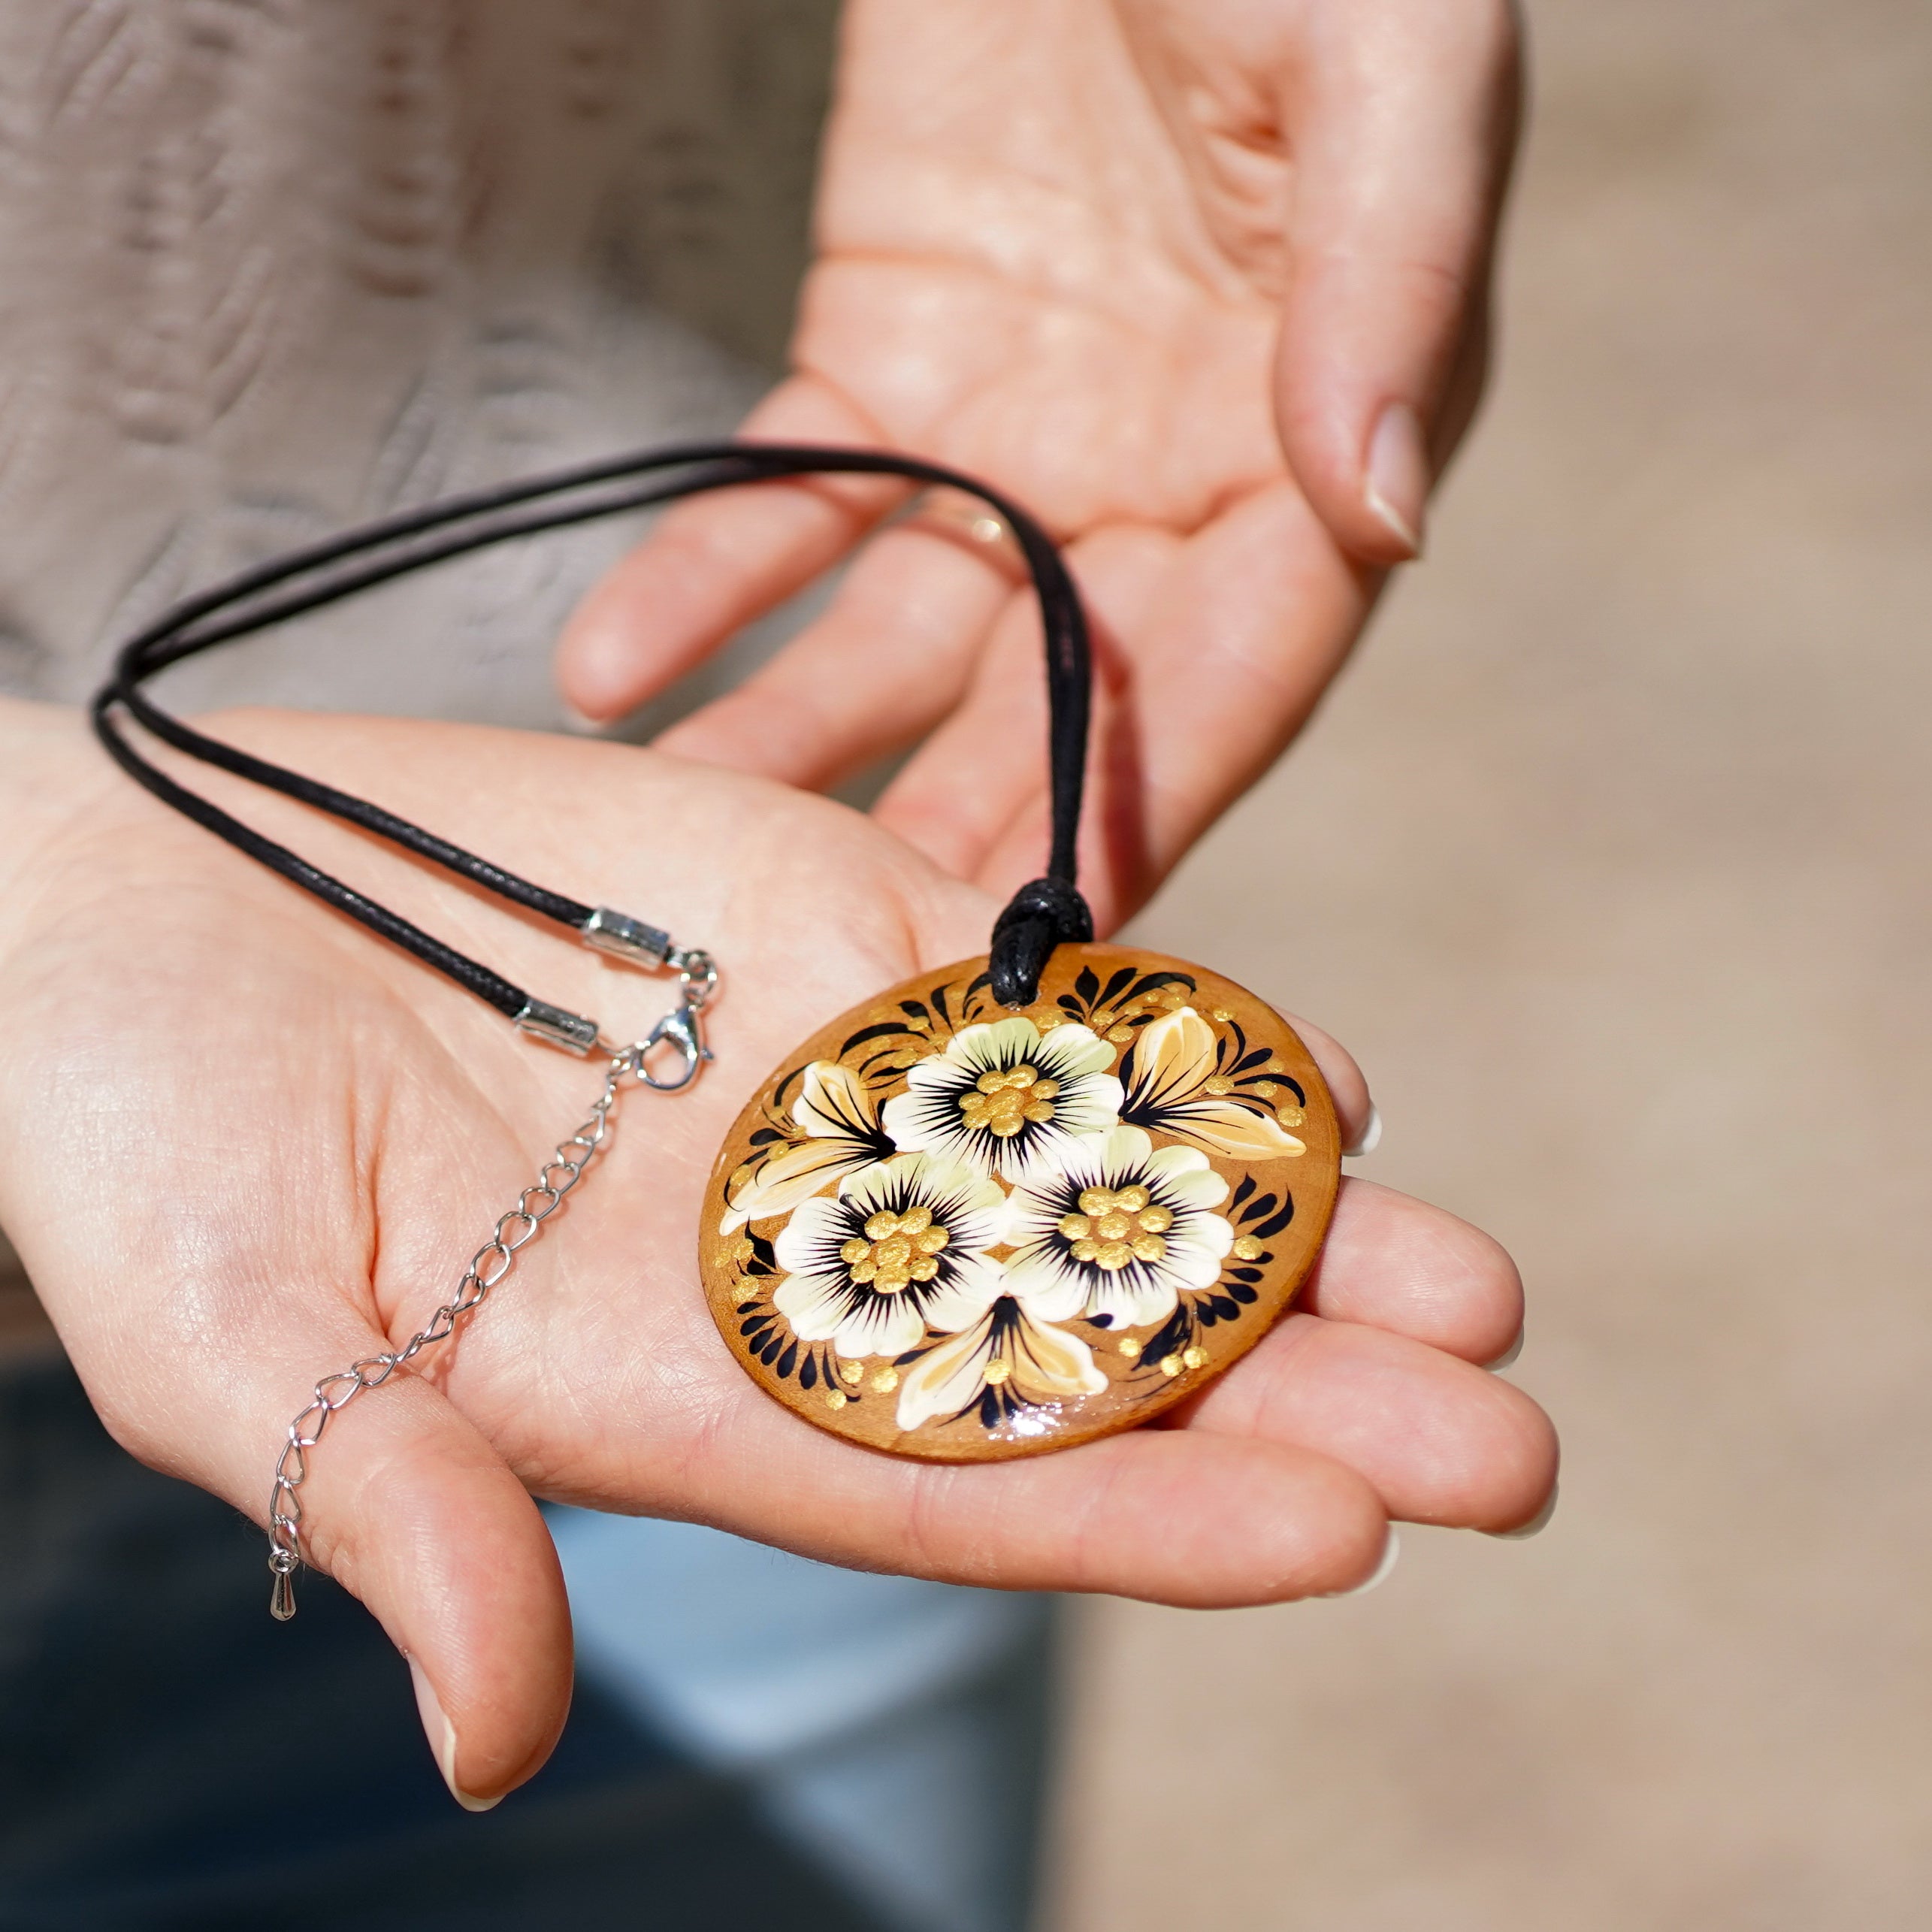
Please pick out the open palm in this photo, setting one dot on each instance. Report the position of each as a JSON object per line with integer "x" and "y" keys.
{"x": 243, "y": 1144}
{"x": 1202, "y": 283}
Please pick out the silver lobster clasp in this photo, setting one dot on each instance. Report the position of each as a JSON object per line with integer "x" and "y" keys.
{"x": 680, "y": 1029}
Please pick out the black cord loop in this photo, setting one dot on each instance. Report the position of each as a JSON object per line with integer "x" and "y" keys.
{"x": 1041, "y": 914}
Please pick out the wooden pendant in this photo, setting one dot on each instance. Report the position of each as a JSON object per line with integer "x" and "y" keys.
{"x": 950, "y": 1231}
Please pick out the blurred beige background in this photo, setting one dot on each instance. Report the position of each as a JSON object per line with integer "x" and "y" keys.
{"x": 1610, "y": 858}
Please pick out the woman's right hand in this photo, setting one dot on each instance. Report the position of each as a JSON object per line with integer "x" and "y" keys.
{"x": 243, "y": 1144}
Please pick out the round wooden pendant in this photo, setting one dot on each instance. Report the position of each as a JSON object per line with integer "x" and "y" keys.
{"x": 948, "y": 1230}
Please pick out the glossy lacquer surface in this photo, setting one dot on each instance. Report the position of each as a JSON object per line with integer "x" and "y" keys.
{"x": 948, "y": 1230}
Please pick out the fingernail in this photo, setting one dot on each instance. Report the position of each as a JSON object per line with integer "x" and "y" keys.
{"x": 1536, "y": 1525}
{"x": 1391, "y": 1551}
{"x": 1508, "y": 1355}
{"x": 1396, "y": 486}
{"x": 442, "y": 1736}
{"x": 1370, "y": 1137}
{"x": 578, "y": 721}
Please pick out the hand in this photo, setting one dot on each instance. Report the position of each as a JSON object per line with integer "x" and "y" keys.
{"x": 243, "y": 1144}
{"x": 1204, "y": 283}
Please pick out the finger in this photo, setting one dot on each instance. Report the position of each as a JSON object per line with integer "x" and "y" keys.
{"x": 1405, "y": 114}
{"x": 1442, "y": 1441}
{"x": 1390, "y": 1261}
{"x": 714, "y": 563}
{"x": 890, "y": 659}
{"x": 1210, "y": 651}
{"x": 1192, "y": 1518}
{"x": 407, "y": 1505}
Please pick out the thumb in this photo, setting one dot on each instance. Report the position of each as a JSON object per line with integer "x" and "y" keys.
{"x": 408, "y": 1507}
{"x": 405, "y": 1504}
{"x": 1405, "y": 125}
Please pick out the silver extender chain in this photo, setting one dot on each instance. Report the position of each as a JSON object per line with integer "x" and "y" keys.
{"x": 487, "y": 1268}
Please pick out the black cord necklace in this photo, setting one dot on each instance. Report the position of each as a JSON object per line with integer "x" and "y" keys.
{"x": 1006, "y": 1207}
{"x": 1041, "y": 915}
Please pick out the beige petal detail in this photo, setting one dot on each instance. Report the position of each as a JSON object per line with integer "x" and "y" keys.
{"x": 1048, "y": 1362}
{"x": 1173, "y": 1059}
{"x": 831, "y": 1102}
{"x": 945, "y": 1379}
{"x": 1221, "y": 1127}
{"x": 784, "y": 1180}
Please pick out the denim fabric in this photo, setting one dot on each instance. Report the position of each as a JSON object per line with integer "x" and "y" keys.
{"x": 172, "y": 1761}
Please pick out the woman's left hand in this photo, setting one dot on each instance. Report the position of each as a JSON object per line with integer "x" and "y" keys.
{"x": 1202, "y": 283}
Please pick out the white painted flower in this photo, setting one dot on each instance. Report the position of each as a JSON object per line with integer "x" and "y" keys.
{"x": 901, "y": 1246}
{"x": 1005, "y": 1098}
{"x": 1006, "y": 1355}
{"x": 1174, "y": 1086}
{"x": 843, "y": 1134}
{"x": 1119, "y": 1229}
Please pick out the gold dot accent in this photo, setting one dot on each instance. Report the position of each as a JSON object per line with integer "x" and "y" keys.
{"x": 885, "y": 1381}
{"x": 896, "y": 1250}
{"x": 853, "y": 1372}
{"x": 1218, "y": 1083}
{"x": 1291, "y": 1116}
{"x": 835, "y": 1399}
{"x": 1052, "y": 1020}
{"x": 1248, "y": 1249}
{"x": 1115, "y": 1227}
{"x": 1002, "y": 1101}
{"x": 741, "y": 1249}
{"x": 1172, "y": 998}
{"x": 1195, "y": 1357}
{"x": 1222, "y": 1014}
{"x": 1130, "y": 1346}
{"x": 741, "y": 1177}
{"x": 1117, "y": 1034}
{"x": 1266, "y": 1089}
{"x": 1170, "y": 1366}
{"x": 997, "y": 1372}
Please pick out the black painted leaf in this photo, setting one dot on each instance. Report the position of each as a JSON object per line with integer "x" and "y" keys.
{"x": 1118, "y": 985}
{"x": 763, "y": 1137}
{"x": 1101, "y": 1321}
{"x": 1226, "y": 1308}
{"x": 1243, "y": 1293}
{"x": 1266, "y": 1204}
{"x": 808, "y": 1376}
{"x": 1171, "y": 1336}
{"x": 1087, "y": 985}
{"x": 788, "y": 1361}
{"x": 1207, "y": 1314}
{"x": 1245, "y": 1274}
{"x": 772, "y": 1349}
{"x": 748, "y": 1308}
{"x": 756, "y": 1326}
{"x": 1270, "y": 1229}
{"x": 1257, "y": 1058}
{"x": 989, "y": 1409}
{"x": 1241, "y": 1192}
{"x": 886, "y": 1029}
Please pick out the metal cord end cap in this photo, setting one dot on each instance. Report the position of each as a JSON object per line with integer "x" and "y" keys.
{"x": 551, "y": 1024}
{"x": 610, "y": 931}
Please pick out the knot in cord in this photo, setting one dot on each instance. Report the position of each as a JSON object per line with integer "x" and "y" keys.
{"x": 1043, "y": 913}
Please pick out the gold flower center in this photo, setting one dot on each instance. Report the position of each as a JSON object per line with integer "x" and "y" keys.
{"x": 896, "y": 1250}
{"x": 1116, "y": 1226}
{"x": 1002, "y": 1102}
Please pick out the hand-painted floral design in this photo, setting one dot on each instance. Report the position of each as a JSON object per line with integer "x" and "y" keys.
{"x": 902, "y": 1247}
{"x": 839, "y": 1117}
{"x": 955, "y": 1232}
{"x": 1005, "y": 1099}
{"x": 1004, "y": 1363}
{"x": 1116, "y": 1231}
{"x": 1176, "y": 1083}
